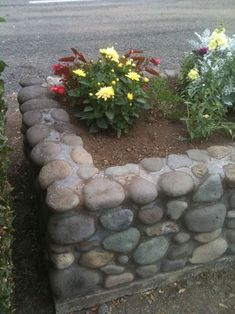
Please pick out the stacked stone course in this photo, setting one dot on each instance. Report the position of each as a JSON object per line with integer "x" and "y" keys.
{"x": 126, "y": 228}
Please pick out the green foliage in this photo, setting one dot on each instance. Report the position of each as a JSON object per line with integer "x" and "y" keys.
{"x": 2, "y": 19}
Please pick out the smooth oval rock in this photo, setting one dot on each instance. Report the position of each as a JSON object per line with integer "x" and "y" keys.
{"x": 200, "y": 170}
{"x": 61, "y": 199}
{"x": 128, "y": 169}
{"x": 117, "y": 220}
{"x": 182, "y": 237}
{"x": 71, "y": 140}
{"x": 219, "y": 152}
{"x": 169, "y": 183}
{"x": 142, "y": 191}
{"x": 176, "y": 208}
{"x": 53, "y": 171}
{"x": 117, "y": 280}
{"x": 39, "y": 104}
{"x": 113, "y": 269}
{"x": 31, "y": 81}
{"x": 31, "y": 118}
{"x": 86, "y": 172}
{"x": 60, "y": 114}
{"x": 37, "y": 133}
{"x": 62, "y": 260}
{"x": 95, "y": 259}
{"x": 102, "y": 193}
{"x": 31, "y": 92}
{"x": 70, "y": 229}
{"x": 123, "y": 242}
{"x": 165, "y": 227}
{"x": 210, "y": 191}
{"x": 152, "y": 164}
{"x": 81, "y": 156}
{"x": 181, "y": 251}
{"x": 147, "y": 271}
{"x": 175, "y": 161}
{"x": 229, "y": 171}
{"x": 150, "y": 216}
{"x": 208, "y": 236}
{"x": 173, "y": 265}
{"x": 123, "y": 259}
{"x": 45, "y": 152}
{"x": 209, "y": 252}
{"x": 151, "y": 251}
{"x": 198, "y": 155}
{"x": 205, "y": 219}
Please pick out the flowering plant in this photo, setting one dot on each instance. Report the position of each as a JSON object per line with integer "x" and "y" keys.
{"x": 208, "y": 80}
{"x": 110, "y": 92}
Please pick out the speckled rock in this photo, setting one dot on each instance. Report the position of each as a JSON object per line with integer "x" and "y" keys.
{"x": 37, "y": 133}
{"x": 128, "y": 169}
{"x": 172, "y": 265}
{"x": 71, "y": 281}
{"x": 142, "y": 191}
{"x": 152, "y": 164}
{"x": 124, "y": 241}
{"x": 95, "y": 259}
{"x": 205, "y": 219}
{"x": 81, "y": 156}
{"x": 165, "y": 227}
{"x": 151, "y": 251}
{"x": 210, "y": 191}
{"x": 53, "y": 171}
{"x": 31, "y": 81}
{"x": 39, "y": 104}
{"x": 31, "y": 118}
{"x": 147, "y": 271}
{"x": 178, "y": 161}
{"x": 31, "y": 92}
{"x": 117, "y": 219}
{"x": 60, "y": 198}
{"x": 123, "y": 259}
{"x": 200, "y": 170}
{"x": 229, "y": 171}
{"x": 208, "y": 236}
{"x": 45, "y": 152}
{"x": 70, "y": 229}
{"x": 86, "y": 172}
{"x": 176, "y": 208}
{"x": 103, "y": 193}
{"x": 169, "y": 183}
{"x": 71, "y": 140}
{"x": 116, "y": 280}
{"x": 62, "y": 260}
{"x": 181, "y": 251}
{"x": 113, "y": 269}
{"x": 60, "y": 114}
{"x": 150, "y": 215}
{"x": 209, "y": 252}
{"x": 219, "y": 152}
{"x": 182, "y": 237}
{"x": 198, "y": 155}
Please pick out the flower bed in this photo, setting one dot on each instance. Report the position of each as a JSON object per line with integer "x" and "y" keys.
{"x": 123, "y": 229}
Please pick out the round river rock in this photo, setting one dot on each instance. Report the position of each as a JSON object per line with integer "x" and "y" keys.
{"x": 142, "y": 191}
{"x": 117, "y": 220}
{"x": 44, "y": 152}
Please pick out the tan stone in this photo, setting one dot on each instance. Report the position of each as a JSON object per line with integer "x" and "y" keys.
{"x": 54, "y": 171}
{"x": 95, "y": 259}
{"x": 81, "y": 156}
{"x": 229, "y": 171}
{"x": 219, "y": 152}
{"x": 200, "y": 170}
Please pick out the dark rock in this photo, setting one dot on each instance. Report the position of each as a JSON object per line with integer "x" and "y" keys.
{"x": 169, "y": 265}
{"x": 31, "y": 118}
{"x": 182, "y": 237}
{"x": 112, "y": 269}
{"x": 211, "y": 190}
{"x": 177, "y": 252}
{"x": 150, "y": 215}
{"x": 118, "y": 219}
{"x": 147, "y": 271}
{"x": 116, "y": 280}
{"x": 176, "y": 208}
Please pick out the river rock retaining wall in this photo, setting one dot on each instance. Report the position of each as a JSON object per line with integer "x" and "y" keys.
{"x": 126, "y": 228}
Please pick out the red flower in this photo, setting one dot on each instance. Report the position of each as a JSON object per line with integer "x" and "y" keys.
{"x": 155, "y": 61}
{"x": 58, "y": 89}
{"x": 57, "y": 69}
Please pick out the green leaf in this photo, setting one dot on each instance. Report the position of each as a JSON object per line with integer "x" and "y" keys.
{"x": 109, "y": 115}
{"x": 102, "y": 123}
{"x": 88, "y": 108}
{"x": 74, "y": 93}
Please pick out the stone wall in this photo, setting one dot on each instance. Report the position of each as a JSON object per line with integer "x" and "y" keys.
{"x": 127, "y": 228}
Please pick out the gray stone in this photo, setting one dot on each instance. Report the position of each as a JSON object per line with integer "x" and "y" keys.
{"x": 152, "y": 164}
{"x": 176, "y": 183}
{"x": 60, "y": 198}
{"x": 123, "y": 259}
{"x": 172, "y": 74}
{"x": 231, "y": 249}
{"x": 70, "y": 229}
{"x": 31, "y": 81}
{"x": 116, "y": 280}
{"x": 86, "y": 172}
{"x": 45, "y": 152}
{"x": 198, "y": 155}
{"x": 81, "y": 156}
{"x": 53, "y": 171}
{"x": 208, "y": 236}
{"x": 39, "y": 104}
{"x": 231, "y": 214}
{"x": 150, "y": 216}
{"x": 113, "y": 269}
{"x": 210, "y": 191}
{"x": 124, "y": 241}
{"x": 142, "y": 191}
{"x": 229, "y": 171}
{"x": 232, "y": 157}
{"x": 37, "y": 133}
{"x": 169, "y": 265}
{"x": 182, "y": 237}
{"x": 176, "y": 208}
{"x": 230, "y": 236}
{"x": 54, "y": 248}
{"x": 62, "y": 260}
{"x": 95, "y": 241}
{"x": 64, "y": 127}
{"x": 71, "y": 281}
{"x": 181, "y": 251}
{"x": 102, "y": 193}
{"x": 209, "y": 252}
{"x": 71, "y": 140}
{"x": 60, "y": 114}
{"x": 31, "y": 118}
{"x": 147, "y": 271}
{"x": 117, "y": 220}
{"x": 205, "y": 219}
{"x": 95, "y": 259}
{"x": 103, "y": 309}
{"x": 200, "y": 170}
{"x": 219, "y": 152}
{"x": 230, "y": 223}
{"x": 31, "y": 92}
{"x": 128, "y": 169}
{"x": 165, "y": 227}
{"x": 178, "y": 161}
{"x": 151, "y": 251}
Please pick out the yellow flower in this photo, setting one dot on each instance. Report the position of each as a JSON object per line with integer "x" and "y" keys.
{"x": 133, "y": 76}
{"x": 193, "y": 74}
{"x": 90, "y": 94}
{"x": 146, "y": 80}
{"x": 105, "y": 93}
{"x": 206, "y": 116}
{"x": 113, "y": 82}
{"x": 129, "y": 62}
{"x": 80, "y": 72}
{"x": 130, "y": 96}
{"x": 218, "y": 39}
{"x": 117, "y": 79}
{"x": 98, "y": 84}
{"x": 110, "y": 53}
{"x": 120, "y": 65}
